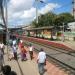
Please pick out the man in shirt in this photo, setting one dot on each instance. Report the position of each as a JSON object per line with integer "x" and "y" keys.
{"x": 15, "y": 51}
{"x": 31, "y": 51}
{"x": 2, "y": 47}
{"x": 14, "y": 42}
{"x": 41, "y": 61}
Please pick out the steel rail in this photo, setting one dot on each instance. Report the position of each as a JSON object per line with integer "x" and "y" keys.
{"x": 56, "y": 49}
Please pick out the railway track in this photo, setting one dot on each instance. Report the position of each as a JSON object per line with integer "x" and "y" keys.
{"x": 57, "y": 49}
{"x": 68, "y": 69}
{"x": 61, "y": 58}
{"x": 63, "y": 49}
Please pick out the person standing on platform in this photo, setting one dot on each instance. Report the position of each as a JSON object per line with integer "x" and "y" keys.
{"x": 10, "y": 43}
{"x": 2, "y": 47}
{"x": 31, "y": 51}
{"x": 11, "y": 55}
{"x": 41, "y": 60}
{"x": 23, "y": 53}
{"x": 14, "y": 51}
{"x": 20, "y": 44}
{"x": 14, "y": 42}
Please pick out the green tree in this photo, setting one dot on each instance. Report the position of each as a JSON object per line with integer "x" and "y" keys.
{"x": 63, "y": 18}
{"x": 45, "y": 20}
{"x": 67, "y": 17}
{"x": 51, "y": 19}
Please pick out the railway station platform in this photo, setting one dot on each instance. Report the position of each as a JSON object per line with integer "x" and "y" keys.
{"x": 30, "y": 67}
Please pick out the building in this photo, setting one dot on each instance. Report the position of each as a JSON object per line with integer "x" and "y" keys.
{"x": 2, "y": 34}
{"x": 41, "y": 32}
{"x": 72, "y": 26}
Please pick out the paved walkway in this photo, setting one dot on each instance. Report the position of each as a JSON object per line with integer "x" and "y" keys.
{"x": 30, "y": 67}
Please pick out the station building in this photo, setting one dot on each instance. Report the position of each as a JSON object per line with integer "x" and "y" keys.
{"x": 2, "y": 34}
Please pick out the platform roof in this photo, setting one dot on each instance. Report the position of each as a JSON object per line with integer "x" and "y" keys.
{"x": 41, "y": 28}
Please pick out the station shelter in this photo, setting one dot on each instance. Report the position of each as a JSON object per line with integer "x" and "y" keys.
{"x": 2, "y": 35}
{"x": 42, "y": 32}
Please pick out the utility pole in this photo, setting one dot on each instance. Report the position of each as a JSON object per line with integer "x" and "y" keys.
{"x": 6, "y": 25}
{"x": 37, "y": 10}
{"x": 73, "y": 3}
{"x": 37, "y": 2}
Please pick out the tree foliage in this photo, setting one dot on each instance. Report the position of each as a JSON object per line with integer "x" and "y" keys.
{"x": 44, "y": 20}
{"x": 67, "y": 17}
{"x": 51, "y": 19}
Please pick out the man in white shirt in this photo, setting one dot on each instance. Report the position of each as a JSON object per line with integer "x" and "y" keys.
{"x": 41, "y": 61}
{"x": 31, "y": 51}
{"x": 15, "y": 51}
{"x": 14, "y": 42}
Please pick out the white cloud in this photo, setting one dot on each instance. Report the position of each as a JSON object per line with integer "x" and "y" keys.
{"x": 26, "y": 15}
{"x": 17, "y": 8}
{"x": 22, "y": 11}
{"x": 49, "y": 7}
{"x": 29, "y": 13}
{"x": 20, "y": 5}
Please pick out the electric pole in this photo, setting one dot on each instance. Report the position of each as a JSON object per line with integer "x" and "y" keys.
{"x": 6, "y": 25}
{"x": 37, "y": 13}
{"x": 37, "y": 10}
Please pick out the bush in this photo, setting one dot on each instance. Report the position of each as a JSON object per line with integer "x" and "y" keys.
{"x": 59, "y": 33}
{"x": 74, "y": 38}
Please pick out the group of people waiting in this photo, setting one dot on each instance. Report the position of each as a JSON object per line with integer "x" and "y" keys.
{"x": 23, "y": 52}
{"x": 41, "y": 59}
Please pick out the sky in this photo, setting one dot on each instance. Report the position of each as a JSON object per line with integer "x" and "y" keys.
{"x": 23, "y": 12}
